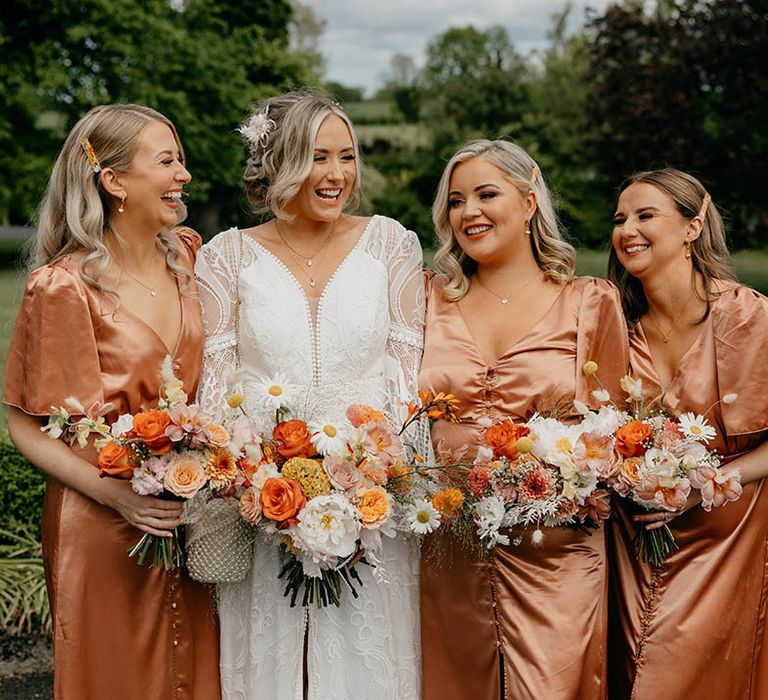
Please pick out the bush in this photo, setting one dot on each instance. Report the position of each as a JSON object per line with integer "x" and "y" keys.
{"x": 21, "y": 492}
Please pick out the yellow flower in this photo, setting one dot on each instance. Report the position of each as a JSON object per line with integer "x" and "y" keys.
{"x": 589, "y": 368}
{"x": 310, "y": 474}
{"x": 235, "y": 400}
{"x": 524, "y": 444}
{"x": 448, "y": 502}
{"x": 220, "y": 467}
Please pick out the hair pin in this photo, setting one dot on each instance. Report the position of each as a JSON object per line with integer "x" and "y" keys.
{"x": 534, "y": 173}
{"x": 93, "y": 161}
{"x": 704, "y": 205}
{"x": 257, "y": 129}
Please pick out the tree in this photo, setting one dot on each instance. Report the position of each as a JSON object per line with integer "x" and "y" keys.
{"x": 403, "y": 86}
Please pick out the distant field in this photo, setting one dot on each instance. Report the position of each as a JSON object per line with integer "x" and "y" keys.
{"x": 399, "y": 136}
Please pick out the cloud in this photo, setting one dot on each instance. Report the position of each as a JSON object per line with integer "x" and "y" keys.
{"x": 361, "y": 35}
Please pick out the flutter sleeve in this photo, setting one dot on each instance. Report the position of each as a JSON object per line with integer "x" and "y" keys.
{"x": 217, "y": 274}
{"x": 740, "y": 324}
{"x": 53, "y": 354}
{"x": 601, "y": 338}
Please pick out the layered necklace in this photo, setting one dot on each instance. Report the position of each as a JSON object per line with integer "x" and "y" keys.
{"x": 306, "y": 261}
{"x": 504, "y": 298}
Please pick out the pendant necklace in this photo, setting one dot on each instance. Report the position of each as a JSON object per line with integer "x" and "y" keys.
{"x": 152, "y": 289}
{"x": 504, "y": 299}
{"x": 307, "y": 259}
{"x": 666, "y": 336}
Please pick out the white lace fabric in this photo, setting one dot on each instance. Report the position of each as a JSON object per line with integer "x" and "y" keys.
{"x": 361, "y": 344}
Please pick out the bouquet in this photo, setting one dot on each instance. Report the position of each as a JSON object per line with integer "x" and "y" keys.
{"x": 539, "y": 473}
{"x": 659, "y": 459}
{"x": 326, "y": 493}
{"x": 173, "y": 451}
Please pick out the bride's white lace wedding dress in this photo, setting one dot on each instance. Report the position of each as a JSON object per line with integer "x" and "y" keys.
{"x": 360, "y": 343}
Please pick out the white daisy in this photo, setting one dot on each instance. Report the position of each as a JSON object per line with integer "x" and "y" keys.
{"x": 273, "y": 391}
{"x": 328, "y": 437}
{"x": 696, "y": 427}
{"x": 423, "y": 517}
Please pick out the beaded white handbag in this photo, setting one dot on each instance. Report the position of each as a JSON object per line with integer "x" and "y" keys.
{"x": 219, "y": 542}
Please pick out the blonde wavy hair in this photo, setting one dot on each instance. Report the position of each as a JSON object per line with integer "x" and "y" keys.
{"x": 709, "y": 252}
{"x": 554, "y": 256}
{"x": 281, "y": 161}
{"x": 76, "y": 213}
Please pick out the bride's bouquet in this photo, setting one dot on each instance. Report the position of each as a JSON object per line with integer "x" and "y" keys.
{"x": 325, "y": 492}
{"x": 659, "y": 459}
{"x": 173, "y": 451}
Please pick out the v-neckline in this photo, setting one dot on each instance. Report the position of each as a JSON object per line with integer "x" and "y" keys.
{"x": 525, "y": 336}
{"x": 307, "y": 300}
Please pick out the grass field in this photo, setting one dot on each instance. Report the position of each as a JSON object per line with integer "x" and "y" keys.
{"x": 751, "y": 267}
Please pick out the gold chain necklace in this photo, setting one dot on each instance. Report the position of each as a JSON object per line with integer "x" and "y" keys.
{"x": 151, "y": 288}
{"x": 295, "y": 254}
{"x": 504, "y": 299}
{"x": 666, "y": 336}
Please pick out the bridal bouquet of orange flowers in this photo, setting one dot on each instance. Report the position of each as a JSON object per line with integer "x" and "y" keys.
{"x": 540, "y": 473}
{"x": 327, "y": 491}
{"x": 173, "y": 451}
{"x": 658, "y": 460}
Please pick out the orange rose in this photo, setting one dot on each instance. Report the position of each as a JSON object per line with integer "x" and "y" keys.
{"x": 116, "y": 460}
{"x": 293, "y": 439}
{"x": 281, "y": 500}
{"x": 630, "y": 436}
{"x": 150, "y": 429}
{"x": 502, "y": 438}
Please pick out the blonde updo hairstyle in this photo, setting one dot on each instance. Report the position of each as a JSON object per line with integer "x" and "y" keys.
{"x": 77, "y": 214}
{"x": 709, "y": 252}
{"x": 280, "y": 162}
{"x": 554, "y": 256}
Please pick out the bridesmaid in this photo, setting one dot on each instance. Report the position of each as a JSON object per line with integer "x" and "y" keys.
{"x": 111, "y": 295}
{"x": 694, "y": 627}
{"x": 508, "y": 331}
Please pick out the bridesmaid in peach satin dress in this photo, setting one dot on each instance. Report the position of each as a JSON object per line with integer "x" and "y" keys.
{"x": 120, "y": 631}
{"x": 694, "y": 627}
{"x": 508, "y": 331}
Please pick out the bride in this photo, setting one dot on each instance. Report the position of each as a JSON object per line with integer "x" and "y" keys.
{"x": 329, "y": 306}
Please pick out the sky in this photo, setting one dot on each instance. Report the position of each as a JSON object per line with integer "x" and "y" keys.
{"x": 360, "y": 36}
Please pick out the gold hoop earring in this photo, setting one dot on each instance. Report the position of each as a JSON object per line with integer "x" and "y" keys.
{"x": 527, "y": 228}
{"x": 687, "y": 250}
{"x": 121, "y": 208}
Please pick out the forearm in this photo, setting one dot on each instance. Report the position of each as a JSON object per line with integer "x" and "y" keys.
{"x": 753, "y": 464}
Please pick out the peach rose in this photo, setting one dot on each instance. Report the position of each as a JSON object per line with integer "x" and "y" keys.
{"x": 116, "y": 460}
{"x": 293, "y": 439}
{"x": 629, "y": 438}
{"x": 150, "y": 429}
{"x": 629, "y": 474}
{"x": 218, "y": 435}
{"x": 250, "y": 505}
{"x": 373, "y": 506}
{"x": 503, "y": 437}
{"x": 358, "y": 414}
{"x": 281, "y": 500}
{"x": 185, "y": 476}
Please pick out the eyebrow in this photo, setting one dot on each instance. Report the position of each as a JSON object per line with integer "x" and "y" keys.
{"x": 162, "y": 153}
{"x": 476, "y": 189}
{"x": 328, "y": 150}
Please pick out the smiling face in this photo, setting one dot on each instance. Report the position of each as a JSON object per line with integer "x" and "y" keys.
{"x": 649, "y": 233}
{"x": 154, "y": 183}
{"x": 332, "y": 178}
{"x": 487, "y": 212}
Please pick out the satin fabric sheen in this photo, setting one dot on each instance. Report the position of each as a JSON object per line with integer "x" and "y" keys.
{"x": 533, "y": 619}
{"x": 120, "y": 631}
{"x": 695, "y": 628}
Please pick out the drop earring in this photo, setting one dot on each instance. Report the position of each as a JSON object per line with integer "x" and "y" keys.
{"x": 121, "y": 208}
{"x": 687, "y": 250}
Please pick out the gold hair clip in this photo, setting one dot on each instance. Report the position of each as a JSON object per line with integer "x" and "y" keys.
{"x": 534, "y": 173}
{"x": 704, "y": 205}
{"x": 90, "y": 155}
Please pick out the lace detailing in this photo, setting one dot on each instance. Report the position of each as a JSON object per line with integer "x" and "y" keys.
{"x": 363, "y": 344}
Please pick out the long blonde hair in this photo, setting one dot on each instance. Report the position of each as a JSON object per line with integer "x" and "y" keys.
{"x": 76, "y": 212}
{"x": 554, "y": 256}
{"x": 280, "y": 161}
{"x": 709, "y": 252}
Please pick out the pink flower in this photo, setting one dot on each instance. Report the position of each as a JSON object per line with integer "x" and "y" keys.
{"x": 342, "y": 471}
{"x": 671, "y": 493}
{"x": 478, "y": 481}
{"x": 593, "y": 453}
{"x": 597, "y": 506}
{"x": 381, "y": 442}
{"x": 669, "y": 435}
{"x": 537, "y": 485}
{"x": 188, "y": 421}
{"x": 250, "y": 505}
{"x": 717, "y": 486}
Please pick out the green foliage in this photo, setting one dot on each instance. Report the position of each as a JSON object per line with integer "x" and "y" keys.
{"x": 21, "y": 492}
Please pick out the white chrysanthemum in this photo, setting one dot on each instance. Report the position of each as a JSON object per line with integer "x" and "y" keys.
{"x": 696, "y": 427}
{"x": 328, "y": 437}
{"x": 423, "y": 517}
{"x": 328, "y": 527}
{"x": 490, "y": 512}
{"x": 273, "y": 391}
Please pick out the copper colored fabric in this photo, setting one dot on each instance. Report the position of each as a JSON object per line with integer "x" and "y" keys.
{"x": 695, "y": 628}
{"x": 532, "y": 620}
{"x": 120, "y": 631}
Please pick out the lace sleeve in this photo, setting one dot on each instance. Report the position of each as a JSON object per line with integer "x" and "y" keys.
{"x": 405, "y": 340}
{"x": 216, "y": 270}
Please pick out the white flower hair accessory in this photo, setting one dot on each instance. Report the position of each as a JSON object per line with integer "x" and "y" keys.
{"x": 257, "y": 129}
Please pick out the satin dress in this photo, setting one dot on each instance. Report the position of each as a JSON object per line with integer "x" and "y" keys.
{"x": 120, "y": 631}
{"x": 696, "y": 626}
{"x": 531, "y": 622}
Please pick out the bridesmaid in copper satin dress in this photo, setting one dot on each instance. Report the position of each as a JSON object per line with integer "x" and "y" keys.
{"x": 508, "y": 331}
{"x": 112, "y": 294}
{"x": 696, "y": 626}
